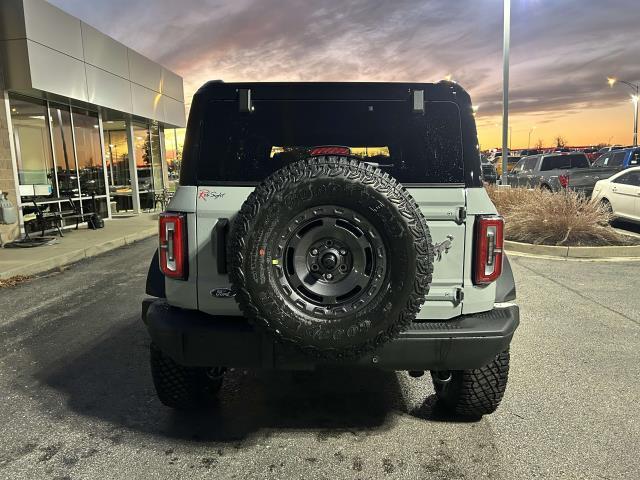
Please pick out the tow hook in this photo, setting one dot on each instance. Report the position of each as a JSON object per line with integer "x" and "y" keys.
{"x": 416, "y": 373}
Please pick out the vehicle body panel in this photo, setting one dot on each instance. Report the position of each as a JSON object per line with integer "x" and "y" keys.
{"x": 606, "y": 165}
{"x": 622, "y": 191}
{"x": 532, "y": 171}
{"x": 440, "y": 206}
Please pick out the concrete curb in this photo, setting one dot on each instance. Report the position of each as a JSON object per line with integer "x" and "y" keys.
{"x": 573, "y": 252}
{"x": 68, "y": 258}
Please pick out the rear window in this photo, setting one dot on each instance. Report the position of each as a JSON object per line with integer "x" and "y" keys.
{"x": 618, "y": 159}
{"x": 564, "y": 162}
{"x": 414, "y": 148}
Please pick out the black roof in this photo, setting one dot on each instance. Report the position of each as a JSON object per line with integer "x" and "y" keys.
{"x": 441, "y": 91}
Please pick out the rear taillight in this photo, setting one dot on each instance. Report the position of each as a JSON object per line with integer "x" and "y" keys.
{"x": 488, "y": 253}
{"x": 173, "y": 245}
{"x": 564, "y": 180}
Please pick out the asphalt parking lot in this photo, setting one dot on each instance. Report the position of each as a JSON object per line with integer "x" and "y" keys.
{"x": 77, "y": 399}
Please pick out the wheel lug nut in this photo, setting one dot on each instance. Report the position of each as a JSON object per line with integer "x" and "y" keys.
{"x": 328, "y": 276}
{"x": 314, "y": 267}
{"x": 314, "y": 251}
{"x": 343, "y": 251}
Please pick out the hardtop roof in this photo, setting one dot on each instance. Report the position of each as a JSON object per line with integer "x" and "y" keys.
{"x": 374, "y": 91}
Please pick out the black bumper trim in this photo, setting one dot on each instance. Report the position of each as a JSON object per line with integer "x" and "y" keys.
{"x": 194, "y": 338}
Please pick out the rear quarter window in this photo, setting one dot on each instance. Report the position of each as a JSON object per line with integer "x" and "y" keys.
{"x": 237, "y": 148}
{"x": 564, "y": 162}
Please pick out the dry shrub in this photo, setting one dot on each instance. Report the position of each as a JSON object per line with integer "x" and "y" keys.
{"x": 564, "y": 218}
{"x": 13, "y": 281}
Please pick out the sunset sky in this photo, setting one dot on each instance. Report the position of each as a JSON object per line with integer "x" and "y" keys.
{"x": 562, "y": 51}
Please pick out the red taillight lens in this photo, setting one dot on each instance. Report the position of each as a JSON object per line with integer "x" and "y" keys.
{"x": 564, "y": 180}
{"x": 173, "y": 245}
{"x": 330, "y": 150}
{"x": 488, "y": 253}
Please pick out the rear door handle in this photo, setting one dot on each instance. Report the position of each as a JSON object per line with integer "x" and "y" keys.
{"x": 219, "y": 240}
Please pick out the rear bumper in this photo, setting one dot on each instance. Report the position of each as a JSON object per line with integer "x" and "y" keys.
{"x": 196, "y": 339}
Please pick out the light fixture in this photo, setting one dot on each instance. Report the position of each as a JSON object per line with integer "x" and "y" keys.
{"x": 611, "y": 81}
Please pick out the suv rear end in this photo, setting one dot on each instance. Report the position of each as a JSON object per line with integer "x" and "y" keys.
{"x": 268, "y": 167}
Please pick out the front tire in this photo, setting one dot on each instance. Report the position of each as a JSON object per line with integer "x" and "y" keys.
{"x": 181, "y": 387}
{"x": 476, "y": 392}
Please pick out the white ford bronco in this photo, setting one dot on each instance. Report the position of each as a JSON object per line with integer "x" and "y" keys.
{"x": 341, "y": 224}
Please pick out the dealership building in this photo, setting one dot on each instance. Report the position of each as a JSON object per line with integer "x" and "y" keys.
{"x": 83, "y": 118}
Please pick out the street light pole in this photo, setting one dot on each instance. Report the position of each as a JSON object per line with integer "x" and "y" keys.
{"x": 634, "y": 98}
{"x": 505, "y": 89}
{"x": 529, "y": 141}
{"x": 635, "y": 118}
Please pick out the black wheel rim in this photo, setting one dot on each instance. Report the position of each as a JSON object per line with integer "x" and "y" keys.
{"x": 331, "y": 261}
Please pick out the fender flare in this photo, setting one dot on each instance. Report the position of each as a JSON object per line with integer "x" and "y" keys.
{"x": 155, "y": 278}
{"x": 506, "y": 285}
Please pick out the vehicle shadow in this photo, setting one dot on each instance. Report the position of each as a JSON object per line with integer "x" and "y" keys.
{"x": 109, "y": 379}
{"x": 629, "y": 226}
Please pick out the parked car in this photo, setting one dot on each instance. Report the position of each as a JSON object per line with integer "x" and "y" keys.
{"x": 621, "y": 194}
{"x": 548, "y": 172}
{"x": 591, "y": 153}
{"x": 511, "y": 162}
{"x": 493, "y": 156}
{"x": 529, "y": 151}
{"x": 583, "y": 180}
{"x": 489, "y": 173}
{"x": 298, "y": 262}
{"x": 609, "y": 148}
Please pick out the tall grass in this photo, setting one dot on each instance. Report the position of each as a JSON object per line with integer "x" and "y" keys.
{"x": 564, "y": 218}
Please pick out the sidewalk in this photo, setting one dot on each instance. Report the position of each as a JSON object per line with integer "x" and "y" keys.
{"x": 76, "y": 245}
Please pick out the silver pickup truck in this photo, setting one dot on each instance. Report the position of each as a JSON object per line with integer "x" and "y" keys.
{"x": 550, "y": 172}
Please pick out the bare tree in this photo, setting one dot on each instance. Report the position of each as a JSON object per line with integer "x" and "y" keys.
{"x": 539, "y": 144}
{"x": 561, "y": 142}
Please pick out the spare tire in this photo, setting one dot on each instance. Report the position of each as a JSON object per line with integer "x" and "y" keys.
{"x": 332, "y": 255}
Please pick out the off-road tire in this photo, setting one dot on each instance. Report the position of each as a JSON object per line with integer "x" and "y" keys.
{"x": 180, "y": 387}
{"x": 266, "y": 216}
{"x": 477, "y": 392}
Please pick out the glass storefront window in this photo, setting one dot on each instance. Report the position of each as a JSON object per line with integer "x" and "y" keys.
{"x": 66, "y": 169}
{"x": 173, "y": 142}
{"x": 117, "y": 155}
{"x": 89, "y": 155}
{"x": 36, "y": 175}
{"x": 142, "y": 145}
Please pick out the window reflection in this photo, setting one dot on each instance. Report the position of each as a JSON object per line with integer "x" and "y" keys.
{"x": 33, "y": 148}
{"x": 63, "y": 149}
{"x": 117, "y": 155}
{"x": 142, "y": 145}
{"x": 89, "y": 156}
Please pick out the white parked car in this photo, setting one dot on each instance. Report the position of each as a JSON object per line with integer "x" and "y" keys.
{"x": 621, "y": 193}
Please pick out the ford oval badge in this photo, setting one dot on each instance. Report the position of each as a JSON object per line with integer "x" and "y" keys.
{"x": 223, "y": 293}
